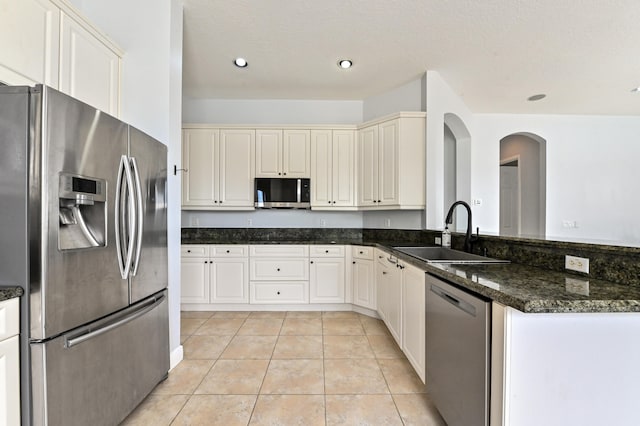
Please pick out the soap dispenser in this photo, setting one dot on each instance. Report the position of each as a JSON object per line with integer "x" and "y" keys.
{"x": 446, "y": 237}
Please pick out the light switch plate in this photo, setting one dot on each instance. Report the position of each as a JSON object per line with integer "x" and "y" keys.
{"x": 578, "y": 264}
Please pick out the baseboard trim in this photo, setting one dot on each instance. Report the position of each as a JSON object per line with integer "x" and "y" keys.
{"x": 176, "y": 357}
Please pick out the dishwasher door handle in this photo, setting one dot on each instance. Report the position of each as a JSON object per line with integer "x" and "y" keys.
{"x": 459, "y": 303}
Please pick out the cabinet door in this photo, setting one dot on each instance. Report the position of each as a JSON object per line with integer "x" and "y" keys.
{"x": 268, "y": 153}
{"x": 10, "y": 381}
{"x": 29, "y": 46}
{"x": 364, "y": 290}
{"x": 394, "y": 304}
{"x": 388, "y": 162}
{"x": 326, "y": 282}
{"x": 297, "y": 154}
{"x": 237, "y": 156}
{"x": 229, "y": 280}
{"x": 343, "y": 171}
{"x": 413, "y": 318}
{"x": 368, "y": 166}
{"x": 194, "y": 280}
{"x": 382, "y": 284}
{"x": 321, "y": 161}
{"x": 200, "y": 158}
{"x": 89, "y": 70}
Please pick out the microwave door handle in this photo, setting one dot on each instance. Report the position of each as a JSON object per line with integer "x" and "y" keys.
{"x": 299, "y": 190}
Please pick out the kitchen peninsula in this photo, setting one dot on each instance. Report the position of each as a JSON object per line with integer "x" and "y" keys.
{"x": 564, "y": 346}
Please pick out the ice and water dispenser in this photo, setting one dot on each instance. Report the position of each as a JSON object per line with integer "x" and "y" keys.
{"x": 82, "y": 212}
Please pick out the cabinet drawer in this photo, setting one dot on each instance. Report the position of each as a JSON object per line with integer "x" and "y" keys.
{"x": 362, "y": 252}
{"x": 279, "y": 269}
{"x": 9, "y": 318}
{"x": 279, "y": 250}
{"x": 326, "y": 251}
{"x": 229, "y": 251}
{"x": 279, "y": 292}
{"x": 192, "y": 250}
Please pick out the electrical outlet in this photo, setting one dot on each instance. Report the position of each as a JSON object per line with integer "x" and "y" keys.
{"x": 249, "y": 222}
{"x": 387, "y": 223}
{"x": 323, "y": 223}
{"x": 438, "y": 241}
{"x": 195, "y": 221}
{"x": 577, "y": 286}
{"x": 578, "y": 264}
{"x": 476, "y": 202}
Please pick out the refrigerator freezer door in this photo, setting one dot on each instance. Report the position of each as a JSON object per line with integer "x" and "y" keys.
{"x": 74, "y": 286}
{"x": 98, "y": 374}
{"x": 149, "y": 165}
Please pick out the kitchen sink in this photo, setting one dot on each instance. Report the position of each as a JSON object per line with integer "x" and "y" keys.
{"x": 446, "y": 255}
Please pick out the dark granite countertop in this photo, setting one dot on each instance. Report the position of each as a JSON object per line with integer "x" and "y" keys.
{"x": 526, "y": 288}
{"x": 7, "y": 293}
{"x": 534, "y": 290}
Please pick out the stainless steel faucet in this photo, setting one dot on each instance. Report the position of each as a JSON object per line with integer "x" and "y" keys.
{"x": 468, "y": 239}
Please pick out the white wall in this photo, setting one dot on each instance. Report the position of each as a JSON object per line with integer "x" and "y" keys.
{"x": 592, "y": 173}
{"x": 400, "y": 219}
{"x": 441, "y": 100}
{"x": 272, "y": 218}
{"x": 150, "y": 33}
{"x": 408, "y": 97}
{"x": 271, "y": 111}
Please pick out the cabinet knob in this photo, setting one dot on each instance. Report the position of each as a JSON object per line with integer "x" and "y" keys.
{"x": 326, "y": 251}
{"x": 278, "y": 269}
{"x": 384, "y": 273}
{"x": 278, "y": 292}
{"x": 279, "y": 174}
{"x": 285, "y": 174}
{"x": 228, "y": 251}
{"x": 378, "y": 201}
{"x": 354, "y": 262}
{"x": 374, "y": 201}
{"x": 329, "y": 202}
{"x": 361, "y": 252}
{"x": 334, "y": 202}
{"x": 206, "y": 261}
{"x": 188, "y": 251}
{"x": 312, "y": 261}
{"x": 220, "y": 202}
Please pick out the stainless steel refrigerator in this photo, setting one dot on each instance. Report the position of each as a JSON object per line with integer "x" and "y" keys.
{"x": 84, "y": 232}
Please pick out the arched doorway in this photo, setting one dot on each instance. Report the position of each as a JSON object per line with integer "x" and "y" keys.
{"x": 457, "y": 167}
{"x": 523, "y": 185}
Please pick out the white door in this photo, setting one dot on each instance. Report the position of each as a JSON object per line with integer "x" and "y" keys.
{"x": 388, "y": 162}
{"x": 321, "y": 168}
{"x": 413, "y": 318}
{"x": 326, "y": 281}
{"x": 29, "y": 47}
{"x": 229, "y": 280}
{"x": 194, "y": 280}
{"x": 268, "y": 153}
{"x": 343, "y": 172}
{"x": 89, "y": 70}
{"x": 200, "y": 159}
{"x": 364, "y": 290}
{"x": 394, "y": 304}
{"x": 297, "y": 154}
{"x": 237, "y": 157}
{"x": 510, "y": 200}
{"x": 368, "y": 166}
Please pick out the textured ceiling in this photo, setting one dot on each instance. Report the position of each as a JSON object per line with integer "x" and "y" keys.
{"x": 583, "y": 54}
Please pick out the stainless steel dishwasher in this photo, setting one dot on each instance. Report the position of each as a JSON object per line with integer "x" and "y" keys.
{"x": 458, "y": 344}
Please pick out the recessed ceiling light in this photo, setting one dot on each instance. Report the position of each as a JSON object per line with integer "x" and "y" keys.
{"x": 345, "y": 63}
{"x": 536, "y": 97}
{"x": 240, "y": 62}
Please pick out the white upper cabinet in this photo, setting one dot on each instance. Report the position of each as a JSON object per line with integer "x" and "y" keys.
{"x": 29, "y": 45}
{"x": 89, "y": 69}
{"x": 332, "y": 169}
{"x": 391, "y": 163}
{"x": 283, "y": 153}
{"x": 219, "y": 167}
{"x": 50, "y": 43}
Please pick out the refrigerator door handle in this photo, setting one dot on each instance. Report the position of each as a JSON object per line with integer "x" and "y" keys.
{"x": 90, "y": 334}
{"x": 125, "y": 264}
{"x": 139, "y": 214}
{"x": 118, "y": 210}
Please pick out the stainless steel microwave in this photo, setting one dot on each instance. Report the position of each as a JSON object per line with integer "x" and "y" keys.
{"x": 283, "y": 193}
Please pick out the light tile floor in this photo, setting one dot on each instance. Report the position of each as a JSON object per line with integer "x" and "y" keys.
{"x": 287, "y": 368}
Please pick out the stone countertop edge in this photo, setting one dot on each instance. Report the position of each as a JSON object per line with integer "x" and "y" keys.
{"x": 525, "y": 288}
{"x": 7, "y": 293}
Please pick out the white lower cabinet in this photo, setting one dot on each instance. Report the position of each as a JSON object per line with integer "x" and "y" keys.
{"x": 214, "y": 274}
{"x": 364, "y": 283}
{"x": 327, "y": 275}
{"x": 279, "y": 274}
{"x": 9, "y": 362}
{"x": 413, "y": 317}
{"x": 389, "y": 293}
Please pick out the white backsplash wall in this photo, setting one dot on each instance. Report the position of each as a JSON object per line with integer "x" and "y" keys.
{"x": 271, "y": 218}
{"x": 400, "y": 219}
